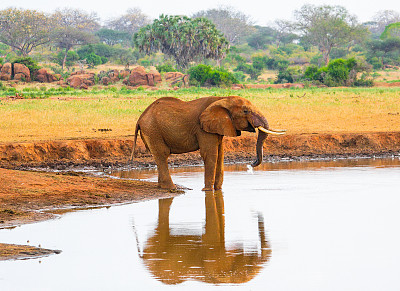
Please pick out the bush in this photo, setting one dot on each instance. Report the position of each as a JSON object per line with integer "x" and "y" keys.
{"x": 289, "y": 75}
{"x": 166, "y": 68}
{"x": 248, "y": 69}
{"x": 93, "y": 60}
{"x": 339, "y": 72}
{"x": 203, "y": 75}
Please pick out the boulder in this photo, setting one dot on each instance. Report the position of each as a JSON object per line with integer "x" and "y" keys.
{"x": 170, "y": 76}
{"x": 150, "y": 79}
{"x": 139, "y": 69}
{"x": 74, "y": 81}
{"x": 5, "y": 73}
{"x": 81, "y": 77}
{"x": 113, "y": 75}
{"x": 139, "y": 77}
{"x": 156, "y": 75}
{"x": 43, "y": 76}
{"x": 105, "y": 81}
{"x": 21, "y": 72}
{"x": 173, "y": 78}
{"x": 124, "y": 73}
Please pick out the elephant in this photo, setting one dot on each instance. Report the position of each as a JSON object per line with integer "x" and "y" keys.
{"x": 173, "y": 255}
{"x": 172, "y": 126}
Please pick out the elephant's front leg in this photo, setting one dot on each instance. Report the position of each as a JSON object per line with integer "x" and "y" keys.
{"x": 209, "y": 153}
{"x": 219, "y": 174}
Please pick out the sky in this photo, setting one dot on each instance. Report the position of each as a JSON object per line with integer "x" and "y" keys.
{"x": 262, "y": 12}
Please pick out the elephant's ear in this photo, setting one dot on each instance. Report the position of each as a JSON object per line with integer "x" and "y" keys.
{"x": 216, "y": 119}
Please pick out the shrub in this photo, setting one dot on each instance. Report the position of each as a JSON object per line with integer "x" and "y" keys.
{"x": 248, "y": 69}
{"x": 203, "y": 75}
{"x": 288, "y": 75}
{"x": 93, "y": 60}
{"x": 166, "y": 68}
{"x": 240, "y": 76}
{"x": 339, "y": 72}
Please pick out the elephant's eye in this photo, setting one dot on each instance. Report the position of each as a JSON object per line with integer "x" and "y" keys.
{"x": 245, "y": 111}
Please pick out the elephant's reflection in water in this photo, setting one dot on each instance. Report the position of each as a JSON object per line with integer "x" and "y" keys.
{"x": 174, "y": 258}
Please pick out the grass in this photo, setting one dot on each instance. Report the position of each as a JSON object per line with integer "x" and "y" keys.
{"x": 64, "y": 113}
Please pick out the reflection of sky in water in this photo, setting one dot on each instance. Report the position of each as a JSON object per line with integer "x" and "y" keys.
{"x": 329, "y": 228}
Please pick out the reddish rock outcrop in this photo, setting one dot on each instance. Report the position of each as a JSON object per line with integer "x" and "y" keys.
{"x": 173, "y": 78}
{"x": 43, "y": 76}
{"x": 139, "y": 77}
{"x": 156, "y": 75}
{"x": 168, "y": 76}
{"x": 124, "y": 73}
{"x": 105, "y": 81}
{"x": 81, "y": 79}
{"x": 21, "y": 72}
{"x": 5, "y": 73}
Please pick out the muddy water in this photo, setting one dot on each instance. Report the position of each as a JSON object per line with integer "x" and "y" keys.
{"x": 286, "y": 226}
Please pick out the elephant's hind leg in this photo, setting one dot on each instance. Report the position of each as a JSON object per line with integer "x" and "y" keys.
{"x": 161, "y": 152}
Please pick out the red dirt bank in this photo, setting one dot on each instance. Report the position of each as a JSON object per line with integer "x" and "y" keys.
{"x": 56, "y": 154}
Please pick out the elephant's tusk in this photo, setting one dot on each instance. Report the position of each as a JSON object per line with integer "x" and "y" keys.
{"x": 270, "y": 131}
{"x": 278, "y": 130}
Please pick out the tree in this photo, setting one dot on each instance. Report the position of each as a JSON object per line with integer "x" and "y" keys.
{"x": 383, "y": 52}
{"x": 130, "y": 22}
{"x": 284, "y": 32}
{"x": 327, "y": 27}
{"x": 183, "y": 39}
{"x": 74, "y": 27}
{"x": 234, "y": 24}
{"x": 262, "y": 37}
{"x": 112, "y": 37}
{"x": 382, "y": 19}
{"x": 24, "y": 29}
{"x": 391, "y": 31}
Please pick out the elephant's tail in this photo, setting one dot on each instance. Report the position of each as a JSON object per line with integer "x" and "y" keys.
{"x": 134, "y": 142}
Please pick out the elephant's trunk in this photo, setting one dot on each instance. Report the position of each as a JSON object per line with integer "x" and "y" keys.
{"x": 260, "y": 121}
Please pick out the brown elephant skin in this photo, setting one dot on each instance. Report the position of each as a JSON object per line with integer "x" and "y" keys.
{"x": 172, "y": 126}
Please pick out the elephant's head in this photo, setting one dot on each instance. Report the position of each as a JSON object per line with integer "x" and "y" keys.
{"x": 231, "y": 115}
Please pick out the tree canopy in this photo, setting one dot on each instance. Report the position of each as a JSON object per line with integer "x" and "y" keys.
{"x": 235, "y": 25}
{"x": 327, "y": 27}
{"x": 74, "y": 27}
{"x": 24, "y": 29}
{"x": 391, "y": 30}
{"x": 183, "y": 39}
{"x": 130, "y": 22}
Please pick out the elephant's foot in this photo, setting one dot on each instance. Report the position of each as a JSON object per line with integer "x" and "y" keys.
{"x": 207, "y": 189}
{"x": 167, "y": 186}
{"x": 219, "y": 187}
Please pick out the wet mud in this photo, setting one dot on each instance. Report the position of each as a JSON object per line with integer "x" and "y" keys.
{"x": 21, "y": 252}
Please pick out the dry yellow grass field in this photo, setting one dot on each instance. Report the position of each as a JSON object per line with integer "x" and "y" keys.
{"x": 111, "y": 114}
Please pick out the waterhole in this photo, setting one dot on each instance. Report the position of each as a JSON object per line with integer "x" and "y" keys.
{"x": 285, "y": 226}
